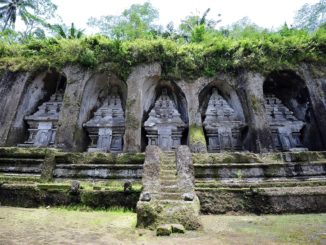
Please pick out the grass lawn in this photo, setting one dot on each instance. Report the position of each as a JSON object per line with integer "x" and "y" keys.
{"x": 66, "y": 226}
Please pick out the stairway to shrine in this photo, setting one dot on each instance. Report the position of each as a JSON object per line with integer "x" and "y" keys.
{"x": 168, "y": 178}
{"x": 168, "y": 195}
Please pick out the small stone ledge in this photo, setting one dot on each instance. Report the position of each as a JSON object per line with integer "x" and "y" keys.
{"x": 36, "y": 195}
{"x": 263, "y": 200}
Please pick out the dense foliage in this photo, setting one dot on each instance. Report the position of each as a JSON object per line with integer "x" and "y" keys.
{"x": 196, "y": 48}
{"x": 263, "y": 51}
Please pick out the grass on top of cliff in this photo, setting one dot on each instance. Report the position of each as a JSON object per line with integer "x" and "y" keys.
{"x": 260, "y": 51}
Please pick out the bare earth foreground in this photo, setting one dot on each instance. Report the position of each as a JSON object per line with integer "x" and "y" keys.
{"x": 61, "y": 226}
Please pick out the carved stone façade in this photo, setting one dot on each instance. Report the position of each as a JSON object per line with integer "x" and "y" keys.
{"x": 232, "y": 110}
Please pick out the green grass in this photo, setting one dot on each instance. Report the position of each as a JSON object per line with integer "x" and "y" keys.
{"x": 84, "y": 208}
{"x": 75, "y": 226}
{"x": 294, "y": 229}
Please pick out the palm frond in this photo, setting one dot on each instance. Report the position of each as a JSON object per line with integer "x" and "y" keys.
{"x": 203, "y": 18}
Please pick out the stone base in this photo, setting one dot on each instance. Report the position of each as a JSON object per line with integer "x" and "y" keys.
{"x": 100, "y": 150}
{"x": 158, "y": 212}
{"x": 299, "y": 149}
{"x": 34, "y": 146}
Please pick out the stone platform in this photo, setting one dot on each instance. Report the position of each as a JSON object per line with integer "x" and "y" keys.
{"x": 224, "y": 182}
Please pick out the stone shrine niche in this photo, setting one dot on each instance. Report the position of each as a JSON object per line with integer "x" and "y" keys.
{"x": 107, "y": 127}
{"x": 290, "y": 113}
{"x": 222, "y": 125}
{"x": 43, "y": 124}
{"x": 164, "y": 127}
{"x": 286, "y": 128}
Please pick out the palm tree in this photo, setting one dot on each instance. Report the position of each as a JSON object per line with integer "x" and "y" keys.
{"x": 67, "y": 33}
{"x": 10, "y": 9}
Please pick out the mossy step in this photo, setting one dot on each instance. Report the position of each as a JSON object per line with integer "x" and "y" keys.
{"x": 168, "y": 177}
{"x": 170, "y": 188}
{"x": 50, "y": 187}
{"x": 20, "y": 177}
{"x": 21, "y": 161}
{"x": 20, "y": 170}
{"x": 168, "y": 171}
{"x": 96, "y": 166}
{"x": 168, "y": 162}
{"x": 255, "y": 164}
{"x": 167, "y": 167}
{"x": 175, "y": 202}
{"x": 264, "y": 184}
{"x": 168, "y": 182}
{"x": 170, "y": 196}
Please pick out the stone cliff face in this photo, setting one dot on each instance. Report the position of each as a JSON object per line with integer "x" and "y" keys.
{"x": 301, "y": 91}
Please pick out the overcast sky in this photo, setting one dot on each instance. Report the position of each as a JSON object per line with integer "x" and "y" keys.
{"x": 265, "y": 13}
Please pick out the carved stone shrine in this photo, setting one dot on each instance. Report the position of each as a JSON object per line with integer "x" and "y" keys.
{"x": 106, "y": 128}
{"x": 286, "y": 128}
{"x": 222, "y": 126}
{"x": 164, "y": 126}
{"x": 42, "y": 125}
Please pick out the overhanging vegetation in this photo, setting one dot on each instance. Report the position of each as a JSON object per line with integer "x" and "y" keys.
{"x": 254, "y": 51}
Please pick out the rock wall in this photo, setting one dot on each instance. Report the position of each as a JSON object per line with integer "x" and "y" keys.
{"x": 21, "y": 93}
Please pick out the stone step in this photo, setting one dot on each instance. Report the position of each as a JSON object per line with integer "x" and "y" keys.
{"x": 168, "y": 182}
{"x": 170, "y": 196}
{"x": 168, "y": 166}
{"x": 166, "y": 172}
{"x": 168, "y": 177}
{"x": 22, "y": 161}
{"x": 174, "y": 202}
{"x": 262, "y": 183}
{"x": 170, "y": 189}
{"x": 167, "y": 162}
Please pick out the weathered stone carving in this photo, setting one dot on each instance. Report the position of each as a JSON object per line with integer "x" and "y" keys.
{"x": 223, "y": 128}
{"x": 164, "y": 126}
{"x": 107, "y": 127}
{"x": 284, "y": 125}
{"x": 43, "y": 123}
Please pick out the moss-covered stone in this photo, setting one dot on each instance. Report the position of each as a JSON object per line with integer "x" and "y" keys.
{"x": 164, "y": 230}
{"x": 154, "y": 213}
{"x": 196, "y": 135}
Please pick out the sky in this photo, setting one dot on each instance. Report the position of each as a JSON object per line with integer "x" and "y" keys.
{"x": 265, "y": 13}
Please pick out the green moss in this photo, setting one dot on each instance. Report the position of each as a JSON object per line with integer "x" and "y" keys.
{"x": 131, "y": 121}
{"x": 54, "y": 187}
{"x": 101, "y": 158}
{"x": 227, "y": 157}
{"x": 255, "y": 103}
{"x": 196, "y": 135}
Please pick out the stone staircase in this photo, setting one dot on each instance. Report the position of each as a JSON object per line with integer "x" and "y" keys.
{"x": 168, "y": 195}
{"x": 16, "y": 164}
{"x": 168, "y": 178}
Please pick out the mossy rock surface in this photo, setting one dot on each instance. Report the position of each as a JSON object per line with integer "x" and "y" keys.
{"x": 152, "y": 214}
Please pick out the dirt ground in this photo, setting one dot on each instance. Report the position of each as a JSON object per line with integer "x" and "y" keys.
{"x": 61, "y": 226}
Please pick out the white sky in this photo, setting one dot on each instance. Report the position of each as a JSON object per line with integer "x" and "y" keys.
{"x": 265, "y": 13}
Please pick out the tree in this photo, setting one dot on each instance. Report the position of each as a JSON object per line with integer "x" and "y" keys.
{"x": 10, "y": 9}
{"x": 45, "y": 11}
{"x": 244, "y": 27}
{"x": 65, "y": 32}
{"x": 194, "y": 27}
{"x": 135, "y": 22}
{"x": 310, "y": 17}
{"x": 33, "y": 13}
